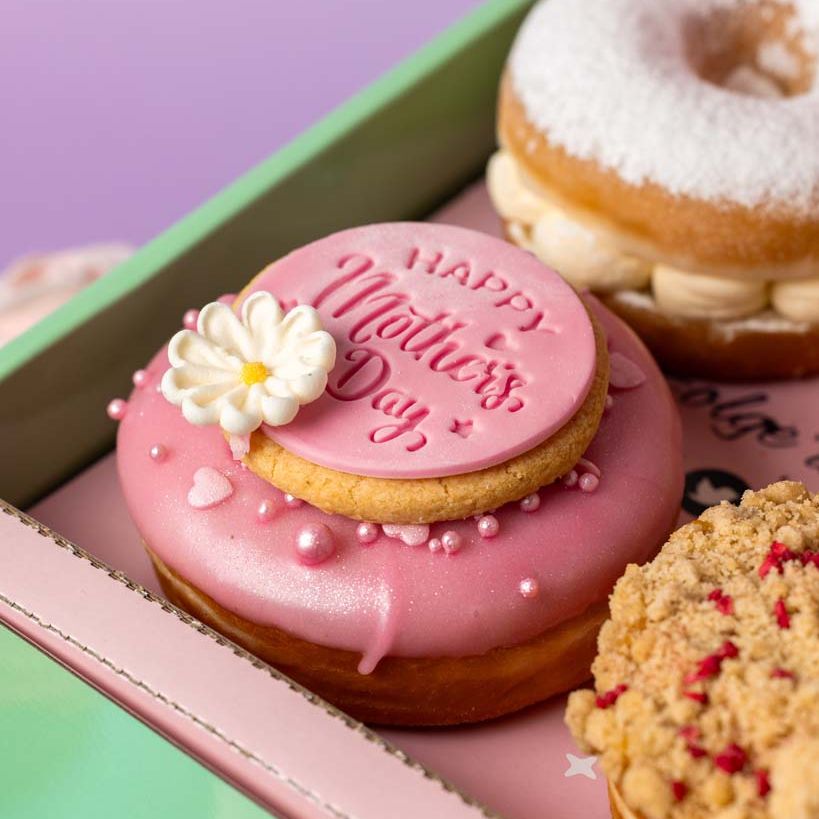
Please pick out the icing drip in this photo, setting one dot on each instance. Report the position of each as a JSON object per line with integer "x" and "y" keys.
{"x": 386, "y": 627}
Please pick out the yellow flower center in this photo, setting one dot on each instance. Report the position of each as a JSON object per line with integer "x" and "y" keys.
{"x": 254, "y": 372}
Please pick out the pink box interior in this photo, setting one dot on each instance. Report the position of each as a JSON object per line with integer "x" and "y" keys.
{"x": 525, "y": 765}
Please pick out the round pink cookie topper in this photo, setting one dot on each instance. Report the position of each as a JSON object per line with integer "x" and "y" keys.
{"x": 455, "y": 351}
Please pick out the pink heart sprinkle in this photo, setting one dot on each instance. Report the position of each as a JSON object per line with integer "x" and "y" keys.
{"x": 210, "y": 487}
{"x": 412, "y": 535}
{"x": 624, "y": 374}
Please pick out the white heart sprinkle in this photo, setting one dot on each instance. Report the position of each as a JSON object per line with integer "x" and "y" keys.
{"x": 412, "y": 535}
{"x": 210, "y": 487}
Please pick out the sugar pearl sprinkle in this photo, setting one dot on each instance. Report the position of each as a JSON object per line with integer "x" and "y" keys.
{"x": 268, "y": 509}
{"x": 435, "y": 544}
{"x": 292, "y": 502}
{"x": 190, "y": 319}
{"x": 451, "y": 541}
{"x": 158, "y": 453}
{"x": 585, "y": 476}
{"x": 531, "y": 503}
{"x": 140, "y": 378}
{"x": 488, "y": 526}
{"x": 588, "y": 482}
{"x": 116, "y": 409}
{"x": 366, "y": 533}
{"x": 314, "y": 544}
{"x": 529, "y": 587}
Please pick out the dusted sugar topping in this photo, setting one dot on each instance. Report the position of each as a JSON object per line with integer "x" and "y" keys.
{"x": 658, "y": 93}
{"x": 707, "y": 677}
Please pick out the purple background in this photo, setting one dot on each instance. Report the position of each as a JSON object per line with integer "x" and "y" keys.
{"x": 119, "y": 116}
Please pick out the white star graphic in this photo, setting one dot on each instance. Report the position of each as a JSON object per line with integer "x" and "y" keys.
{"x": 581, "y": 766}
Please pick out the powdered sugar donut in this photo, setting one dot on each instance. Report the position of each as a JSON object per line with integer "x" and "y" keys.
{"x": 664, "y": 155}
{"x": 448, "y": 621}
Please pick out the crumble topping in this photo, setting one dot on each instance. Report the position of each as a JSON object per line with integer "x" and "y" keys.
{"x": 707, "y": 677}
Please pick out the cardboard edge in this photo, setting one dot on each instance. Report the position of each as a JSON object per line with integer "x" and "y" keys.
{"x": 77, "y": 653}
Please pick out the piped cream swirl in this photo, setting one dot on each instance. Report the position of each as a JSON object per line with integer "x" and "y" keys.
{"x": 588, "y": 259}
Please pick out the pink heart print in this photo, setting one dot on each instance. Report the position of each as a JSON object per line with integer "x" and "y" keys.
{"x": 210, "y": 487}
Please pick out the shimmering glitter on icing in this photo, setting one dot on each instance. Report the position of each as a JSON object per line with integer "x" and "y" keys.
{"x": 292, "y": 502}
{"x": 451, "y": 541}
{"x": 315, "y": 543}
{"x": 588, "y": 482}
{"x": 158, "y": 452}
{"x": 366, "y": 533}
{"x": 140, "y": 378}
{"x": 435, "y": 544}
{"x": 488, "y": 526}
{"x": 116, "y": 409}
{"x": 210, "y": 487}
{"x": 570, "y": 478}
{"x": 529, "y": 587}
{"x": 268, "y": 509}
{"x": 411, "y": 535}
{"x": 189, "y": 319}
{"x": 624, "y": 374}
{"x": 531, "y": 503}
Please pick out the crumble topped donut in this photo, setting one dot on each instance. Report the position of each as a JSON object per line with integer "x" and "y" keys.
{"x": 467, "y": 375}
{"x": 451, "y": 620}
{"x": 707, "y": 676}
{"x": 664, "y": 155}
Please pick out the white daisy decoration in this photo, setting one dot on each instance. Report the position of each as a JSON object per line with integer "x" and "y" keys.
{"x": 240, "y": 372}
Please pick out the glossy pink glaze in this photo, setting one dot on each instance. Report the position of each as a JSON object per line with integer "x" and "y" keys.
{"x": 456, "y": 350}
{"x": 389, "y": 598}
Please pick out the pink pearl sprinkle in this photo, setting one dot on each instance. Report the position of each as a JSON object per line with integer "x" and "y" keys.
{"x": 140, "y": 378}
{"x": 116, "y": 409}
{"x": 589, "y": 482}
{"x": 531, "y": 503}
{"x": 435, "y": 544}
{"x": 488, "y": 526}
{"x": 609, "y": 403}
{"x": 451, "y": 541}
{"x": 570, "y": 478}
{"x": 366, "y": 533}
{"x": 292, "y": 502}
{"x": 529, "y": 587}
{"x": 314, "y": 543}
{"x": 190, "y": 318}
{"x": 158, "y": 452}
{"x": 268, "y": 509}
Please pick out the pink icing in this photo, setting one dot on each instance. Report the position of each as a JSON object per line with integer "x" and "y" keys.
{"x": 391, "y": 599}
{"x": 456, "y": 350}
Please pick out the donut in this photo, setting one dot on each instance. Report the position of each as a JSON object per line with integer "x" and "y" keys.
{"x": 706, "y": 699}
{"x": 452, "y": 621}
{"x": 664, "y": 156}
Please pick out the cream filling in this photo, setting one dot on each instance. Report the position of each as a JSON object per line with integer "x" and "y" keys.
{"x": 588, "y": 259}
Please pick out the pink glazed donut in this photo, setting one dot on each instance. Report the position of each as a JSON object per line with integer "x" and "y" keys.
{"x": 440, "y": 623}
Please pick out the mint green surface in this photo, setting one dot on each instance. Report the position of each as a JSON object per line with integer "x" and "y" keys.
{"x": 395, "y": 151}
{"x": 68, "y": 751}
